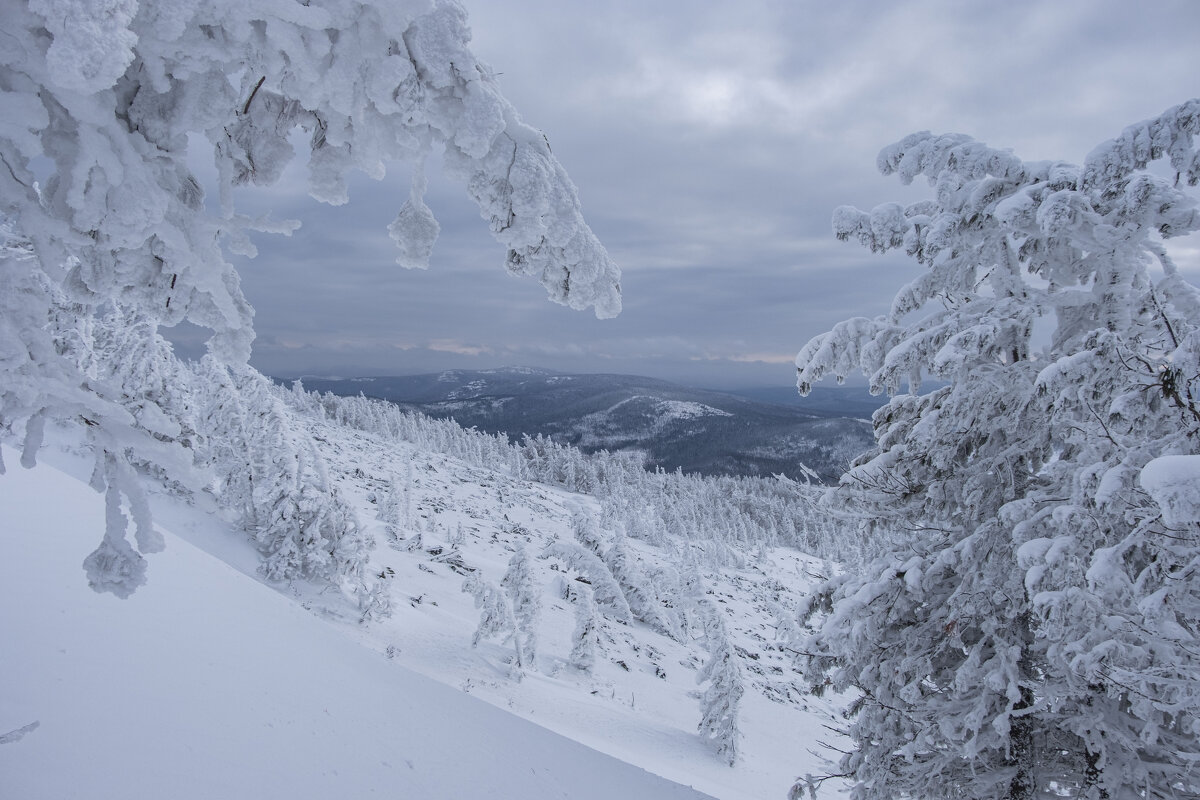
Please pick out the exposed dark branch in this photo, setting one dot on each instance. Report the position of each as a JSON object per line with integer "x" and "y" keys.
{"x": 250, "y": 99}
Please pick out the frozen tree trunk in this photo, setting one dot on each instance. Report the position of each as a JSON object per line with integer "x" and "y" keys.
{"x": 1021, "y": 756}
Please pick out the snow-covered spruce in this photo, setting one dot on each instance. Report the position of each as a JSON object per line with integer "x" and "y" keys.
{"x": 722, "y": 698}
{"x": 523, "y": 595}
{"x": 120, "y": 221}
{"x": 605, "y": 589}
{"x": 585, "y": 639}
{"x": 1031, "y": 627}
{"x": 646, "y": 598}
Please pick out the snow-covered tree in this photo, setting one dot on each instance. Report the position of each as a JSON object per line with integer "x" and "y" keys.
{"x": 623, "y": 565}
{"x": 309, "y": 531}
{"x": 106, "y": 106}
{"x": 605, "y": 588}
{"x": 585, "y": 639}
{"x": 1031, "y": 627}
{"x": 635, "y": 584}
{"x": 390, "y": 511}
{"x": 587, "y": 531}
{"x": 495, "y": 615}
{"x": 721, "y": 700}
{"x": 522, "y": 589}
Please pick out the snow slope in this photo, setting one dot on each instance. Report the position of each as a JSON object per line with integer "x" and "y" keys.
{"x": 285, "y": 684}
{"x": 640, "y": 703}
{"x": 206, "y": 683}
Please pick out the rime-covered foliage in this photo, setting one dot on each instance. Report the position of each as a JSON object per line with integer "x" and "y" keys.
{"x": 107, "y": 107}
{"x": 585, "y": 639}
{"x": 389, "y": 512}
{"x": 272, "y": 481}
{"x": 496, "y": 617}
{"x": 648, "y": 599}
{"x": 1033, "y": 630}
{"x": 605, "y": 589}
{"x": 721, "y": 701}
{"x": 523, "y": 595}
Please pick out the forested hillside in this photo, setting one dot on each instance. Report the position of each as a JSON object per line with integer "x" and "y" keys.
{"x": 648, "y": 615}
{"x": 672, "y": 426}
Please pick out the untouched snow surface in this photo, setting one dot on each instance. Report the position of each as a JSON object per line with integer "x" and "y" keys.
{"x": 208, "y": 684}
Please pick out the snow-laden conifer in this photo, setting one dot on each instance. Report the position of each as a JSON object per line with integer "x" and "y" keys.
{"x": 525, "y": 600}
{"x": 636, "y": 585}
{"x": 496, "y": 618}
{"x": 587, "y": 530}
{"x": 1028, "y": 629}
{"x": 721, "y": 700}
{"x": 585, "y": 639}
{"x": 390, "y": 511}
{"x": 107, "y": 108}
{"x": 605, "y": 588}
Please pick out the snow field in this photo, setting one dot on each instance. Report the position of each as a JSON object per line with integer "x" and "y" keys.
{"x": 205, "y": 684}
{"x": 639, "y": 704}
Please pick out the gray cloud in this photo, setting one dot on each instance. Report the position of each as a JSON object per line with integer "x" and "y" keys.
{"x": 710, "y": 144}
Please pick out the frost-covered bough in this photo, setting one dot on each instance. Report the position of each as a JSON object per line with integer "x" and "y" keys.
{"x": 605, "y": 589}
{"x": 107, "y": 104}
{"x": 1033, "y": 628}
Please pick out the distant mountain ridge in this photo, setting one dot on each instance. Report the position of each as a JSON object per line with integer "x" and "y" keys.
{"x": 675, "y": 426}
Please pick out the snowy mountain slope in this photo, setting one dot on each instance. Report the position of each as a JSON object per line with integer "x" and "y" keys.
{"x": 697, "y": 430}
{"x": 205, "y": 684}
{"x": 638, "y": 703}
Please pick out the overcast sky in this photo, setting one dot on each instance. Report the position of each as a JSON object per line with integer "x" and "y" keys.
{"x": 710, "y": 142}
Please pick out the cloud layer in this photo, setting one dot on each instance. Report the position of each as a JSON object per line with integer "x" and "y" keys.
{"x": 710, "y": 144}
